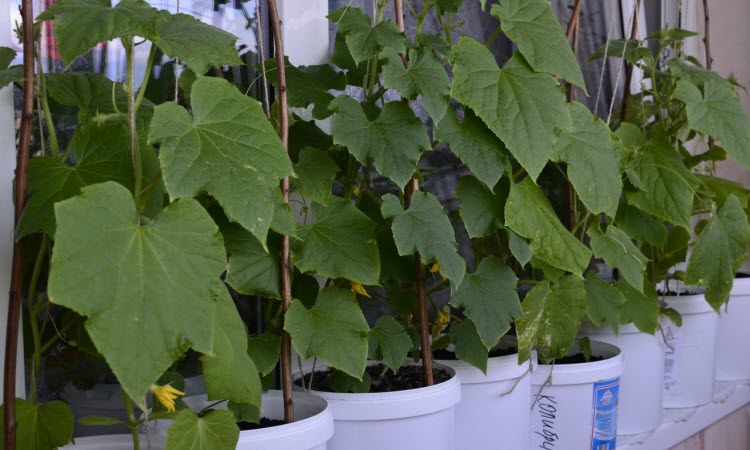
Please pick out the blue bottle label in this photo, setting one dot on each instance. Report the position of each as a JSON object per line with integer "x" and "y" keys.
{"x": 605, "y": 415}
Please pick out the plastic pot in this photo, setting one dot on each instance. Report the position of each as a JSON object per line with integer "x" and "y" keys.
{"x": 732, "y": 329}
{"x": 420, "y": 418}
{"x": 640, "y": 401}
{"x": 575, "y": 405}
{"x": 690, "y": 352}
{"x": 490, "y": 404}
{"x": 311, "y": 430}
{"x": 115, "y": 442}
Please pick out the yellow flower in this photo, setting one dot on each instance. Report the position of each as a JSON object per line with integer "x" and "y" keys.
{"x": 166, "y": 395}
{"x": 436, "y": 268}
{"x": 355, "y": 190}
{"x": 441, "y": 321}
{"x": 359, "y": 289}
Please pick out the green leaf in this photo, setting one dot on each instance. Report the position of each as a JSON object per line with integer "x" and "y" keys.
{"x": 197, "y": 44}
{"x": 90, "y": 92}
{"x": 593, "y": 165}
{"x": 8, "y": 74}
{"x": 340, "y": 243}
{"x": 697, "y": 75}
{"x": 229, "y": 371}
{"x": 45, "y": 426}
{"x": 264, "y": 350}
{"x": 389, "y": 342}
{"x": 393, "y": 142}
{"x": 529, "y": 214}
{"x": 718, "y": 112}
{"x": 447, "y": 6}
{"x": 99, "y": 421}
{"x": 519, "y": 248}
{"x": 634, "y": 53}
{"x": 489, "y": 299}
{"x": 533, "y": 26}
{"x": 244, "y": 412}
{"x": 721, "y": 189}
{"x": 363, "y": 39}
{"x": 670, "y": 185}
{"x": 483, "y": 211}
{"x": 425, "y": 76}
{"x": 436, "y": 41}
{"x": 334, "y": 330}
{"x": 316, "y": 172}
{"x": 475, "y": 144}
{"x": 552, "y": 315}
{"x": 227, "y": 148}
{"x": 253, "y": 270}
{"x": 217, "y": 430}
{"x": 142, "y": 312}
{"x": 630, "y": 135}
{"x": 81, "y": 24}
{"x": 526, "y": 110}
{"x": 100, "y": 153}
{"x": 467, "y": 344}
{"x": 672, "y": 315}
{"x": 618, "y": 251}
{"x": 425, "y": 228}
{"x": 640, "y": 308}
{"x": 721, "y": 248}
{"x": 341, "y": 382}
{"x": 663, "y": 258}
{"x": 604, "y": 302}
{"x": 308, "y": 85}
{"x": 342, "y": 58}
{"x": 640, "y": 225}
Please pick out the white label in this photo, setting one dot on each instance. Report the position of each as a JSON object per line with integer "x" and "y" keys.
{"x": 672, "y": 340}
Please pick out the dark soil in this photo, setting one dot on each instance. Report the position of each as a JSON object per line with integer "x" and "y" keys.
{"x": 578, "y": 358}
{"x": 448, "y": 355}
{"x": 407, "y": 377}
{"x": 742, "y": 275}
{"x": 264, "y": 423}
{"x": 683, "y": 292}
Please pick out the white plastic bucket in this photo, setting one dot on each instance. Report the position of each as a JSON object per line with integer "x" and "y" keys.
{"x": 115, "y": 442}
{"x": 575, "y": 405}
{"x": 490, "y": 403}
{"x": 733, "y": 333}
{"x": 414, "y": 419}
{"x": 690, "y": 352}
{"x": 642, "y": 380}
{"x": 311, "y": 430}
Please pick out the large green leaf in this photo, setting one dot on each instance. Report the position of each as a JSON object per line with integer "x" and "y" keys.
{"x": 197, "y": 44}
{"x": 334, "y": 330}
{"x": 393, "y": 142}
{"x": 389, "y": 342}
{"x": 533, "y": 26}
{"x": 92, "y": 93}
{"x": 618, "y": 251}
{"x": 681, "y": 69}
{"x": 100, "y": 153}
{"x": 670, "y": 187}
{"x": 530, "y": 215}
{"x": 45, "y": 426}
{"x": 148, "y": 290}
{"x": 593, "y": 165}
{"x": 718, "y": 112}
{"x": 425, "y": 228}
{"x": 226, "y": 148}
{"x": 217, "y": 430}
{"x": 364, "y": 39}
{"x": 640, "y": 308}
{"x": 489, "y": 299}
{"x": 526, "y": 110}
{"x": 468, "y": 345}
{"x": 309, "y": 85}
{"x": 551, "y": 317}
{"x": 253, "y": 270}
{"x": 340, "y": 243}
{"x": 316, "y": 172}
{"x": 425, "y": 76}
{"x": 475, "y": 144}
{"x": 482, "y": 210}
{"x": 444, "y": 6}
{"x": 81, "y": 24}
{"x": 8, "y": 74}
{"x": 721, "y": 248}
{"x": 640, "y": 225}
{"x": 604, "y": 302}
{"x": 264, "y": 350}
{"x": 229, "y": 371}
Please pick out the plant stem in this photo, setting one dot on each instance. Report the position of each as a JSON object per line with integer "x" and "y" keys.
{"x": 131, "y": 419}
{"x": 146, "y": 76}
{"x": 134, "y": 153}
{"x": 33, "y": 316}
{"x": 19, "y": 192}
{"x": 420, "y": 19}
{"x": 286, "y": 270}
{"x": 45, "y": 107}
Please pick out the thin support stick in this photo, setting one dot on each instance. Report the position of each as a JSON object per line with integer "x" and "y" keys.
{"x": 14, "y": 295}
{"x": 629, "y": 67}
{"x": 286, "y": 276}
{"x": 413, "y": 186}
{"x": 574, "y": 19}
{"x": 573, "y": 32}
{"x": 707, "y": 44}
{"x": 604, "y": 60}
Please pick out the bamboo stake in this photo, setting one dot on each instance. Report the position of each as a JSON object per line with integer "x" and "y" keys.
{"x": 286, "y": 278}
{"x": 413, "y": 186}
{"x": 14, "y": 297}
{"x": 628, "y": 66}
{"x": 707, "y": 44}
{"x": 573, "y": 32}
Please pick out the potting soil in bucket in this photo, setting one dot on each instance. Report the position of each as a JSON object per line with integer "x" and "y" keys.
{"x": 640, "y": 402}
{"x": 690, "y": 352}
{"x": 491, "y": 402}
{"x": 412, "y": 419}
{"x": 733, "y": 330}
{"x": 575, "y": 402}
